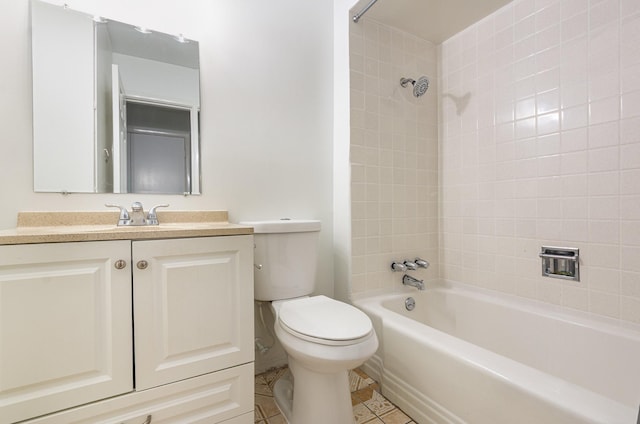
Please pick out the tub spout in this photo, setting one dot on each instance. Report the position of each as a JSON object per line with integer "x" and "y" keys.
{"x": 408, "y": 280}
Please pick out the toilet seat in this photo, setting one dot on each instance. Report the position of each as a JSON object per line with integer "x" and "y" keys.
{"x": 323, "y": 320}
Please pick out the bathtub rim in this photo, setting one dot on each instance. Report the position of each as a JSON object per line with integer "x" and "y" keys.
{"x": 534, "y": 306}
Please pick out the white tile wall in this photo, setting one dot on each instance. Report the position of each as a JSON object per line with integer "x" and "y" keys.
{"x": 546, "y": 152}
{"x": 394, "y": 155}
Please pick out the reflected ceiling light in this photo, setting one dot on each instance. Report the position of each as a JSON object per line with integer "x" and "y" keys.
{"x": 142, "y": 30}
{"x": 180, "y": 39}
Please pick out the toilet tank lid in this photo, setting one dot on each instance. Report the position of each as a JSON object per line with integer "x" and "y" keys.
{"x": 284, "y": 225}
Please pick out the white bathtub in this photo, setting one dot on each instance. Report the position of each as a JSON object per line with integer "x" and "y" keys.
{"x": 465, "y": 355}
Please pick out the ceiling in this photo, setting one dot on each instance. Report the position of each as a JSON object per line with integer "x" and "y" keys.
{"x": 433, "y": 20}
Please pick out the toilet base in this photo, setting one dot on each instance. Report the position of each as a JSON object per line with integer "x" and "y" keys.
{"x": 283, "y": 394}
{"x": 315, "y": 398}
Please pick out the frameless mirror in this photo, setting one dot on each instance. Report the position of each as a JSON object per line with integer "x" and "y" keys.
{"x": 115, "y": 106}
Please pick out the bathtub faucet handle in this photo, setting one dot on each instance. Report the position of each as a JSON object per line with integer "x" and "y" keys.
{"x": 411, "y": 266}
{"x": 422, "y": 263}
{"x": 398, "y": 267}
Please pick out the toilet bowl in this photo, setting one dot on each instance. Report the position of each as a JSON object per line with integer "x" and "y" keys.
{"x": 323, "y": 338}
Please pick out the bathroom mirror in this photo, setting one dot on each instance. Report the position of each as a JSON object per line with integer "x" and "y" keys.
{"x": 115, "y": 106}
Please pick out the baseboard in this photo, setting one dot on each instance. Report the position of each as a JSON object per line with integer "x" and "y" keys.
{"x": 419, "y": 407}
{"x": 373, "y": 368}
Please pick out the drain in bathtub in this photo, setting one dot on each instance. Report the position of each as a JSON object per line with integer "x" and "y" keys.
{"x": 409, "y": 303}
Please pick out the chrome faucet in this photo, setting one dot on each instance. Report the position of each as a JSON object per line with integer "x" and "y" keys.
{"x": 411, "y": 266}
{"x": 408, "y": 280}
{"x": 152, "y": 216}
{"x": 398, "y": 267}
{"x": 137, "y": 216}
{"x": 422, "y": 263}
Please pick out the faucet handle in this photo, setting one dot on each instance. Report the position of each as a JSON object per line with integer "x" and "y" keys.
{"x": 398, "y": 267}
{"x": 152, "y": 216}
{"x": 411, "y": 266}
{"x": 124, "y": 218}
{"x": 422, "y": 263}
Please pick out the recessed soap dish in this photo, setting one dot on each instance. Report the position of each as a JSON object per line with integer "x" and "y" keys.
{"x": 560, "y": 262}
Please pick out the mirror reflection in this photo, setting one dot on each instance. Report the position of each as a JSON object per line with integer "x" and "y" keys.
{"x": 115, "y": 106}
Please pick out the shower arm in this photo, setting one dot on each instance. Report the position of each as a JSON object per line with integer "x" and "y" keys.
{"x": 419, "y": 87}
{"x": 358, "y": 15}
{"x": 405, "y": 81}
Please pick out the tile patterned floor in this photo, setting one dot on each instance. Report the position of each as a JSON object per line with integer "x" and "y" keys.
{"x": 369, "y": 406}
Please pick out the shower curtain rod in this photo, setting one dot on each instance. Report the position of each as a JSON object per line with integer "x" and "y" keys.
{"x": 358, "y": 15}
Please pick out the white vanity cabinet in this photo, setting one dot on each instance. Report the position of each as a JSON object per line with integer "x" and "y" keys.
{"x": 149, "y": 331}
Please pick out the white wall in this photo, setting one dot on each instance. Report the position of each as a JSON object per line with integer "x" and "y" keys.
{"x": 546, "y": 152}
{"x": 341, "y": 149}
{"x": 266, "y": 81}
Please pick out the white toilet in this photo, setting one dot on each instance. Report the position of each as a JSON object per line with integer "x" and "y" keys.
{"x": 324, "y": 338}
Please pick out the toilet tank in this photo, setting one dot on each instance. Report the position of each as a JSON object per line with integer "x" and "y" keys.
{"x": 285, "y": 258}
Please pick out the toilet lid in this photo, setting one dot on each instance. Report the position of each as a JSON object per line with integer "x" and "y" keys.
{"x": 320, "y": 317}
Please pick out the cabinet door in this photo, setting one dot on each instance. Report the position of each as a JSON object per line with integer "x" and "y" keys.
{"x": 193, "y": 307}
{"x": 65, "y": 326}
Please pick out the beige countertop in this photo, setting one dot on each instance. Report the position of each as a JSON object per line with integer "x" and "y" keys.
{"x": 58, "y": 227}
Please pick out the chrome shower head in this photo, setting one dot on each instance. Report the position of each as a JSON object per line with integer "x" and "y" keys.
{"x": 419, "y": 87}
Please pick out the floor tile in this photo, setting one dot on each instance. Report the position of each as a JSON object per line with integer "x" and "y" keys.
{"x": 278, "y": 419}
{"x": 363, "y": 395}
{"x": 395, "y": 416}
{"x": 363, "y": 414}
{"x": 378, "y": 404}
{"x": 266, "y": 406}
{"x": 262, "y": 388}
{"x": 359, "y": 380}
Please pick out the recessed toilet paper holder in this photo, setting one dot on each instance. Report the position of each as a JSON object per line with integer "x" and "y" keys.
{"x": 560, "y": 262}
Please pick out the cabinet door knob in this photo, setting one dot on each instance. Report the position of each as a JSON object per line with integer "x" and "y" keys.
{"x": 120, "y": 264}
{"x": 142, "y": 264}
